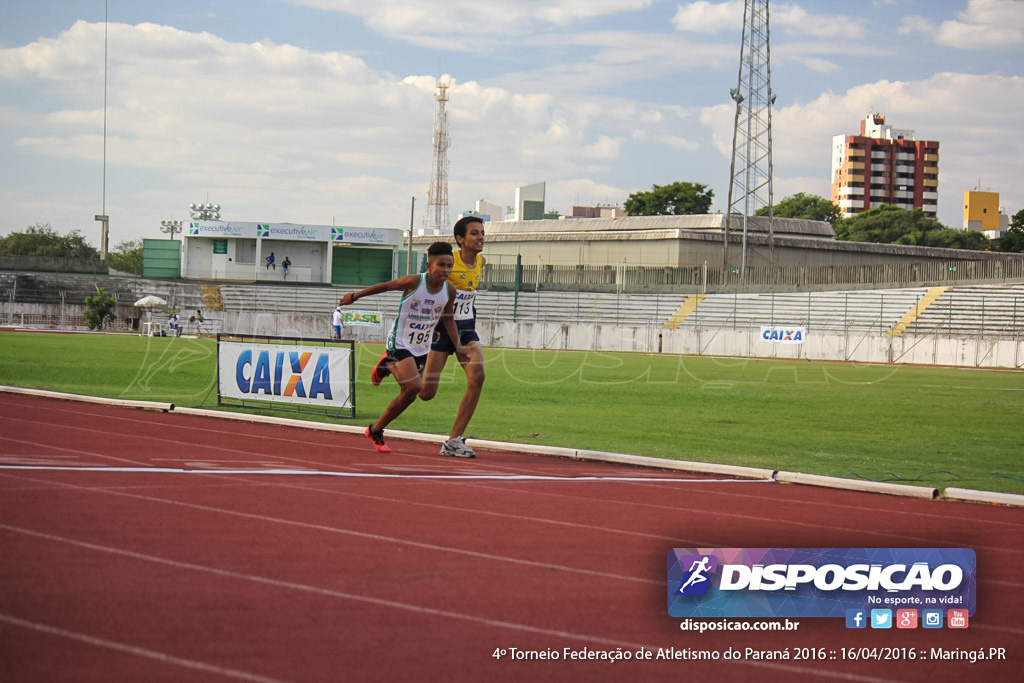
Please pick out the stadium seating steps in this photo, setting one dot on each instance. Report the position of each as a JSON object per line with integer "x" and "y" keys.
{"x": 988, "y": 310}
{"x": 995, "y": 309}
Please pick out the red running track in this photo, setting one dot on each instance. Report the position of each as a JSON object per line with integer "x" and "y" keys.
{"x": 200, "y": 576}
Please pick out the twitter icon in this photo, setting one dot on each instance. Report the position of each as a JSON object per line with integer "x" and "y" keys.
{"x": 881, "y": 618}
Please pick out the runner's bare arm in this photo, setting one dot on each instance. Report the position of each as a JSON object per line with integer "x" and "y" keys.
{"x": 407, "y": 284}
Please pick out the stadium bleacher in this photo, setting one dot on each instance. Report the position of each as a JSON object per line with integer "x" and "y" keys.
{"x": 972, "y": 311}
{"x": 868, "y": 311}
{"x": 991, "y": 311}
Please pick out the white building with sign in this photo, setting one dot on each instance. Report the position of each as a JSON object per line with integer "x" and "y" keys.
{"x": 233, "y": 250}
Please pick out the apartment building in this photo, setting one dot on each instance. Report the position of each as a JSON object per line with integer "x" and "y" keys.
{"x": 884, "y": 165}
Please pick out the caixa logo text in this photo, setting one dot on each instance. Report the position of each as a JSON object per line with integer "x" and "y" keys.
{"x": 284, "y": 373}
{"x": 780, "y": 334}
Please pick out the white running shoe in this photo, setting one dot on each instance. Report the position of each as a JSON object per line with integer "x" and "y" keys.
{"x": 457, "y": 448}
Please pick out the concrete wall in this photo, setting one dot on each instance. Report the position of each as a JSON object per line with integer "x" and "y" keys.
{"x": 856, "y": 347}
{"x": 302, "y": 325}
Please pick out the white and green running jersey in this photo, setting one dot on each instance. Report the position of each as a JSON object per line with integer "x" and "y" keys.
{"x": 417, "y": 316}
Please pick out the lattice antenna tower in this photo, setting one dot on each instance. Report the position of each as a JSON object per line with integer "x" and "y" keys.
{"x": 750, "y": 181}
{"x": 436, "y": 220}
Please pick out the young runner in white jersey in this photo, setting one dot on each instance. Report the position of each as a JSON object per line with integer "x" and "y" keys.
{"x": 469, "y": 263}
{"x": 427, "y": 298}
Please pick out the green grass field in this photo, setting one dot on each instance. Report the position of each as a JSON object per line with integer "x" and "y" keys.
{"x": 936, "y": 426}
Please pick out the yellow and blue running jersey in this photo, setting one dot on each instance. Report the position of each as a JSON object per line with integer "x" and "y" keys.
{"x": 466, "y": 280}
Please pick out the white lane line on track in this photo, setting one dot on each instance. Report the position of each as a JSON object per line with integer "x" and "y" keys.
{"x": 281, "y": 583}
{"x": 134, "y": 650}
{"x": 371, "y": 475}
{"x": 374, "y": 537}
{"x": 420, "y": 609}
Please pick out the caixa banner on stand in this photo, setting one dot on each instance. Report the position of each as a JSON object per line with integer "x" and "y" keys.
{"x": 287, "y": 373}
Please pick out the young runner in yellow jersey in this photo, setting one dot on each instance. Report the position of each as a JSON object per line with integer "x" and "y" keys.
{"x": 465, "y": 275}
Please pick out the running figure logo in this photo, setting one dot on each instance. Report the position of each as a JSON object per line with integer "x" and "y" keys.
{"x": 696, "y": 581}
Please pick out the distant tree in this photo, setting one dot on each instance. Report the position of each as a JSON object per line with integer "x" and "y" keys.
{"x": 99, "y": 309}
{"x": 127, "y": 257}
{"x": 808, "y": 206}
{"x": 951, "y": 238}
{"x": 42, "y": 240}
{"x": 1013, "y": 240}
{"x": 552, "y": 214}
{"x": 893, "y": 225}
{"x": 677, "y": 199}
{"x": 883, "y": 225}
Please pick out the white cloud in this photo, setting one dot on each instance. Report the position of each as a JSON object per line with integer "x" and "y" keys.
{"x": 677, "y": 142}
{"x": 708, "y": 17}
{"x": 811, "y": 54}
{"x": 916, "y": 24}
{"x": 605, "y": 148}
{"x": 451, "y": 19}
{"x": 604, "y": 58}
{"x": 795, "y": 20}
{"x": 277, "y": 132}
{"x": 821, "y": 66}
{"x": 561, "y": 195}
{"x": 948, "y": 107}
{"x": 975, "y": 118}
{"x": 985, "y": 24}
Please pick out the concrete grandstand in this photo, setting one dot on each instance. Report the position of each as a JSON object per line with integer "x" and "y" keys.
{"x": 956, "y": 324}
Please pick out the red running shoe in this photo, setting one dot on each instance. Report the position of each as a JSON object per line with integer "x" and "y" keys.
{"x": 380, "y": 370}
{"x": 377, "y": 437}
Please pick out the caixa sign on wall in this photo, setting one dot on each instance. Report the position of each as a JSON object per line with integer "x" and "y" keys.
{"x": 783, "y": 335}
{"x": 286, "y": 371}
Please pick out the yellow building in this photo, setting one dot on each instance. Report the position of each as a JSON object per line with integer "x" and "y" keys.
{"x": 981, "y": 211}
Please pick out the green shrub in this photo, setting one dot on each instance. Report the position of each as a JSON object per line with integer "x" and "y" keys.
{"x": 99, "y": 309}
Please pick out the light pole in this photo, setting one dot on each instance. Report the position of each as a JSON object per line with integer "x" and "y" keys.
{"x": 204, "y": 212}
{"x": 172, "y": 227}
{"x": 104, "y": 220}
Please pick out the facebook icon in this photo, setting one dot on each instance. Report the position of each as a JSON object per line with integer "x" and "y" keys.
{"x": 856, "y": 618}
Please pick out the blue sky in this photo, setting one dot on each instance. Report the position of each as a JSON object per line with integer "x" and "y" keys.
{"x": 321, "y": 111}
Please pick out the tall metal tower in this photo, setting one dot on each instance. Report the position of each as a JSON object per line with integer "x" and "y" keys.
{"x": 435, "y": 222}
{"x": 750, "y": 181}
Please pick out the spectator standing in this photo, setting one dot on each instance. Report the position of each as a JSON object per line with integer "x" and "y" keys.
{"x": 336, "y": 322}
